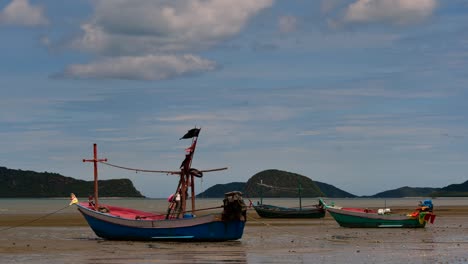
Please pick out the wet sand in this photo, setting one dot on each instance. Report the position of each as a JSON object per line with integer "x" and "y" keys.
{"x": 66, "y": 238}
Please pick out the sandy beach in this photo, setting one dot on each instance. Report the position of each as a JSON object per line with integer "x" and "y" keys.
{"x": 66, "y": 238}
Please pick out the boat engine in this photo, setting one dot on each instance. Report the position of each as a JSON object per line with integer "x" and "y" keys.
{"x": 234, "y": 207}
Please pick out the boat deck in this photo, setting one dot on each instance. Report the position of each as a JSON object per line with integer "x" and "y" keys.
{"x": 126, "y": 213}
{"x": 359, "y": 210}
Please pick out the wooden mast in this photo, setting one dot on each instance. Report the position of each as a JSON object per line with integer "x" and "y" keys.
{"x": 95, "y": 160}
{"x": 192, "y": 184}
{"x": 186, "y": 179}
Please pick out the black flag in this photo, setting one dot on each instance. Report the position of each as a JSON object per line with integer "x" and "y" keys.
{"x": 191, "y": 133}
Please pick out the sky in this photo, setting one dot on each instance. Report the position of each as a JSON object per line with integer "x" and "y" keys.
{"x": 366, "y": 95}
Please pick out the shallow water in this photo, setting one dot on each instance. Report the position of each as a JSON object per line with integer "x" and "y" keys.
{"x": 27, "y": 205}
{"x": 264, "y": 240}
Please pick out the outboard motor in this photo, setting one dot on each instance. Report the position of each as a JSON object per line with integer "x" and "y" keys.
{"x": 234, "y": 207}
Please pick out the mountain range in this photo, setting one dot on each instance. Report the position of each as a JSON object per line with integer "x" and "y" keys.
{"x": 267, "y": 183}
{"x": 277, "y": 183}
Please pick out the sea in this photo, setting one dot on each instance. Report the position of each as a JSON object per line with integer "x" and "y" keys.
{"x": 40, "y": 205}
{"x": 264, "y": 240}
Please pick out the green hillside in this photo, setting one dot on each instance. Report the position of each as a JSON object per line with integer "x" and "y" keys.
{"x": 218, "y": 190}
{"x": 19, "y": 183}
{"x": 285, "y": 185}
{"x": 406, "y": 192}
{"x": 453, "y": 190}
{"x": 282, "y": 184}
{"x": 333, "y": 192}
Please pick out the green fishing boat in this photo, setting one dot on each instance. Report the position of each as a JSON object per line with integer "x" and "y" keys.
{"x": 363, "y": 217}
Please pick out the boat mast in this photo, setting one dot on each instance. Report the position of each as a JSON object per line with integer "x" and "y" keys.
{"x": 95, "y": 160}
{"x": 192, "y": 183}
{"x": 299, "y": 188}
{"x": 186, "y": 178}
{"x": 261, "y": 192}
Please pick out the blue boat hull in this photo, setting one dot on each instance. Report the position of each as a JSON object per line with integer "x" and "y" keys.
{"x": 205, "y": 228}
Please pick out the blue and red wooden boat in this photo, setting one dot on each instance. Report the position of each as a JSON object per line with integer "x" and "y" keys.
{"x": 118, "y": 223}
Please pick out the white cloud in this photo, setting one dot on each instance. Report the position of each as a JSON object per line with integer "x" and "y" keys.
{"x": 149, "y": 67}
{"x": 21, "y": 12}
{"x": 137, "y": 35}
{"x": 287, "y": 24}
{"x": 146, "y": 26}
{"x": 398, "y": 12}
{"x": 270, "y": 113}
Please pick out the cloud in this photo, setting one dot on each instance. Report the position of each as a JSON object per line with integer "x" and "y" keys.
{"x": 136, "y": 36}
{"x": 22, "y": 13}
{"x": 399, "y": 12}
{"x": 269, "y": 113}
{"x": 149, "y": 67}
{"x": 147, "y": 26}
{"x": 287, "y": 24}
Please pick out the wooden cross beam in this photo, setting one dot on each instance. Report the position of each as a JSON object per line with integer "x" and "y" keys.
{"x": 95, "y": 160}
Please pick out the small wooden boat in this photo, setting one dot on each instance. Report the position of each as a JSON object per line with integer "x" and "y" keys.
{"x": 360, "y": 217}
{"x": 118, "y": 223}
{"x": 271, "y": 211}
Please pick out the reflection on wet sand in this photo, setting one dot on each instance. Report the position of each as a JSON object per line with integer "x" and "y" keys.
{"x": 65, "y": 238}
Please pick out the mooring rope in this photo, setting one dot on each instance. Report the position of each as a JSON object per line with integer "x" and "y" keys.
{"x": 275, "y": 227}
{"x": 34, "y": 220}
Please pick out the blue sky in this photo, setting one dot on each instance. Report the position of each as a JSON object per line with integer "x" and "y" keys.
{"x": 367, "y": 95}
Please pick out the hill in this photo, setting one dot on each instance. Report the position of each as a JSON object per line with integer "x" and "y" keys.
{"x": 333, "y": 192}
{"x": 453, "y": 190}
{"x": 218, "y": 190}
{"x": 406, "y": 192}
{"x": 19, "y": 183}
{"x": 281, "y": 184}
{"x": 285, "y": 185}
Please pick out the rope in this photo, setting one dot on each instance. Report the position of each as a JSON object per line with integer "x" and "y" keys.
{"x": 274, "y": 227}
{"x": 305, "y": 237}
{"x": 204, "y": 209}
{"x": 283, "y": 188}
{"x": 34, "y": 220}
{"x": 155, "y": 171}
{"x": 137, "y": 170}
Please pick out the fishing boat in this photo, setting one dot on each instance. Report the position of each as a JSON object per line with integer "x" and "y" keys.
{"x": 272, "y": 211}
{"x": 178, "y": 223}
{"x": 363, "y": 217}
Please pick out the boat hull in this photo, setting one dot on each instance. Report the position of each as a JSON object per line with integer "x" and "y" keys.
{"x": 271, "y": 211}
{"x": 205, "y": 228}
{"x": 371, "y": 220}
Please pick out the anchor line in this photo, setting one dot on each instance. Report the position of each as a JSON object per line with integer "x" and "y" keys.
{"x": 34, "y": 220}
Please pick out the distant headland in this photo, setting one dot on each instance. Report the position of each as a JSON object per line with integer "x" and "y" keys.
{"x": 30, "y": 184}
{"x": 268, "y": 183}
